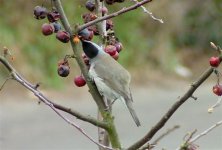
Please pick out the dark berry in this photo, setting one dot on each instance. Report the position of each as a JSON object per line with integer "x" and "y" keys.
{"x": 119, "y": 1}
{"x": 63, "y": 70}
{"x": 214, "y": 61}
{"x": 87, "y": 17}
{"x": 79, "y": 81}
{"x": 57, "y": 26}
{"x": 217, "y": 89}
{"x": 63, "y": 36}
{"x": 85, "y": 59}
{"x": 90, "y": 5}
{"x": 53, "y": 16}
{"x": 63, "y": 62}
{"x": 104, "y": 10}
{"x": 40, "y": 12}
{"x": 111, "y": 50}
{"x": 94, "y": 29}
{"x": 47, "y": 29}
{"x": 109, "y": 2}
{"x": 86, "y": 34}
{"x": 118, "y": 46}
{"x": 109, "y": 24}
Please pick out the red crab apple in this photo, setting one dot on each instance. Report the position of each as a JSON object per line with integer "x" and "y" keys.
{"x": 217, "y": 89}
{"x": 116, "y": 56}
{"x": 111, "y": 50}
{"x": 53, "y": 16}
{"x": 85, "y": 59}
{"x": 79, "y": 81}
{"x": 214, "y": 61}
{"x": 47, "y": 29}
{"x": 63, "y": 36}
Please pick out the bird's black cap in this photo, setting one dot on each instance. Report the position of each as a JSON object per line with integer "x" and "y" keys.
{"x": 90, "y": 49}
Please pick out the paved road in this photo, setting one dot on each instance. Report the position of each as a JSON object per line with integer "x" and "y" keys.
{"x": 25, "y": 125}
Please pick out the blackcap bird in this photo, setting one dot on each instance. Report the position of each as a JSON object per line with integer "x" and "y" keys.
{"x": 111, "y": 79}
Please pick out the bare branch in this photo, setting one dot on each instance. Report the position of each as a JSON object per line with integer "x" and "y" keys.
{"x": 155, "y": 142}
{"x": 122, "y": 11}
{"x": 190, "y": 140}
{"x": 103, "y": 136}
{"x": 170, "y": 130}
{"x": 149, "y": 13}
{"x": 113, "y": 136}
{"x": 92, "y": 88}
{"x": 54, "y": 106}
{"x": 189, "y": 135}
{"x": 2, "y": 86}
{"x": 211, "y": 109}
{"x": 205, "y": 132}
{"x": 80, "y": 116}
{"x": 172, "y": 110}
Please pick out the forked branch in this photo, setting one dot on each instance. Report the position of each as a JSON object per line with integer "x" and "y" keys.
{"x": 55, "y": 107}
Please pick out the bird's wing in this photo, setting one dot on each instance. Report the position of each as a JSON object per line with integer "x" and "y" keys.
{"x": 113, "y": 74}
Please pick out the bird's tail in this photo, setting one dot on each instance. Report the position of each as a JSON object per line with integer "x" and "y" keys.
{"x": 132, "y": 111}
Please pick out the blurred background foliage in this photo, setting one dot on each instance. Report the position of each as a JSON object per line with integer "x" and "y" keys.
{"x": 148, "y": 45}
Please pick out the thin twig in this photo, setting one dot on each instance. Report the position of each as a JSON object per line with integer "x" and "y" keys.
{"x": 191, "y": 140}
{"x": 92, "y": 88}
{"x": 189, "y": 136}
{"x": 2, "y": 86}
{"x": 45, "y": 100}
{"x": 113, "y": 136}
{"x": 172, "y": 110}
{"x": 205, "y": 132}
{"x": 149, "y": 13}
{"x": 103, "y": 136}
{"x": 122, "y": 11}
{"x": 211, "y": 109}
{"x": 165, "y": 134}
{"x": 155, "y": 142}
{"x": 186, "y": 144}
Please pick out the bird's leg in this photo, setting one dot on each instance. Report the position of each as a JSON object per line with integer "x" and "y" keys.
{"x": 109, "y": 104}
{"x": 113, "y": 101}
{"x": 106, "y": 103}
{"x": 90, "y": 78}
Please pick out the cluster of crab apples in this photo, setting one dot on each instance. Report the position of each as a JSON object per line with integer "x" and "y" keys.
{"x": 215, "y": 62}
{"x": 113, "y": 47}
{"x": 53, "y": 25}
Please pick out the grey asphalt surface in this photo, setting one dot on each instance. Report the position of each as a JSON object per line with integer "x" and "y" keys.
{"x": 25, "y": 125}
